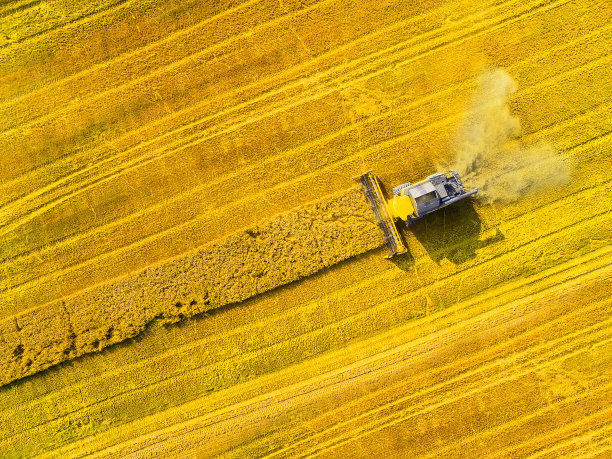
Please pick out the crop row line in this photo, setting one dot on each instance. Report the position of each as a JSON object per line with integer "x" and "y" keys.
{"x": 77, "y": 20}
{"x": 590, "y": 430}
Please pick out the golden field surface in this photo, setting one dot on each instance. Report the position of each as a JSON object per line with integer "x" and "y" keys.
{"x": 188, "y": 269}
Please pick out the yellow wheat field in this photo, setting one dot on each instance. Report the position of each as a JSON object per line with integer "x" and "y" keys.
{"x": 187, "y": 268}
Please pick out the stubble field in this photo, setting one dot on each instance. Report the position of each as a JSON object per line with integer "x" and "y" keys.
{"x": 187, "y": 268}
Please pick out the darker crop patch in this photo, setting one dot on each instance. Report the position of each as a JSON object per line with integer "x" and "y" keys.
{"x": 18, "y": 352}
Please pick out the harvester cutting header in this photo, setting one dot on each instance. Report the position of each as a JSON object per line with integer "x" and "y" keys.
{"x": 410, "y": 202}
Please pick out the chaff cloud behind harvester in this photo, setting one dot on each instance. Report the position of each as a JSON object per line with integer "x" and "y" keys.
{"x": 410, "y": 202}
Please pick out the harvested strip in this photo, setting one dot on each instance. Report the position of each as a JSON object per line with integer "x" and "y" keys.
{"x": 284, "y": 249}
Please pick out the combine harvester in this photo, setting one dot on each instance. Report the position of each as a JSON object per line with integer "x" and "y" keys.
{"x": 410, "y": 202}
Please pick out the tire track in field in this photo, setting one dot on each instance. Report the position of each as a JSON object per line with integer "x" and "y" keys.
{"x": 333, "y": 135}
{"x": 292, "y": 84}
{"x": 425, "y": 407}
{"x": 562, "y": 436}
{"x": 356, "y": 435}
{"x": 105, "y": 94}
{"x": 248, "y": 409}
{"x": 90, "y": 112}
{"x": 12, "y": 9}
{"x": 75, "y": 20}
{"x": 502, "y": 352}
{"x": 12, "y": 110}
{"x": 187, "y": 433}
{"x": 500, "y": 428}
{"x": 597, "y": 260}
{"x": 468, "y": 314}
{"x": 594, "y": 443}
{"x": 21, "y": 58}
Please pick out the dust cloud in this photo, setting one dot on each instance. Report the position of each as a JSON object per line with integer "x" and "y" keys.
{"x": 489, "y": 154}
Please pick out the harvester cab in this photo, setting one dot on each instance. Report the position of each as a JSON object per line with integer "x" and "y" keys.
{"x": 410, "y": 202}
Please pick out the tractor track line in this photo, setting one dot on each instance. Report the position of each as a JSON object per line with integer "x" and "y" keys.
{"x": 42, "y": 105}
{"x": 509, "y": 354}
{"x": 394, "y": 419}
{"x": 123, "y": 56}
{"x": 568, "y": 431}
{"x": 164, "y": 69}
{"x": 591, "y": 447}
{"x": 189, "y": 432}
{"x": 26, "y": 4}
{"x": 496, "y": 430}
{"x": 70, "y": 22}
{"x": 171, "y": 37}
{"x": 189, "y": 108}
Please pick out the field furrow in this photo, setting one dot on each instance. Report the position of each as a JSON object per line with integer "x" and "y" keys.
{"x": 36, "y": 19}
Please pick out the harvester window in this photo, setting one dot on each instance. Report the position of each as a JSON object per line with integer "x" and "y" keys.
{"x": 425, "y": 198}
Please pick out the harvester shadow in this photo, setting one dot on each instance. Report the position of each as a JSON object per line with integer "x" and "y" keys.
{"x": 453, "y": 233}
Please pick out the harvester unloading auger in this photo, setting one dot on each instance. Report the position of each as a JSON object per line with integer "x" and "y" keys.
{"x": 410, "y": 202}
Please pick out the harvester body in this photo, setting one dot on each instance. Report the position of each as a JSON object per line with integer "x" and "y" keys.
{"x": 410, "y": 202}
